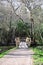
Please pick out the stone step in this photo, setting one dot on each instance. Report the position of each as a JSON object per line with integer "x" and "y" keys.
{"x": 23, "y": 45}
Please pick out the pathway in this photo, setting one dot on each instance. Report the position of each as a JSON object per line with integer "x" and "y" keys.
{"x": 18, "y": 57}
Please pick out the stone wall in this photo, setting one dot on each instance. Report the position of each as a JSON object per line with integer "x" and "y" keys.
{"x": 28, "y": 41}
{"x": 18, "y": 40}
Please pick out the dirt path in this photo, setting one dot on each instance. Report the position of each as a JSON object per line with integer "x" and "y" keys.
{"x": 18, "y": 57}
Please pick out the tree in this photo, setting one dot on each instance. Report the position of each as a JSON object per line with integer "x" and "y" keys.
{"x": 22, "y": 29}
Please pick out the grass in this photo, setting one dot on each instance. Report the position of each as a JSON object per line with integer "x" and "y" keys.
{"x": 6, "y": 52}
{"x": 38, "y": 56}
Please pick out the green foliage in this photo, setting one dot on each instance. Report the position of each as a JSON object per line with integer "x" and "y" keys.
{"x": 23, "y": 29}
{"x": 6, "y": 37}
{"x": 38, "y": 32}
{"x": 38, "y": 56}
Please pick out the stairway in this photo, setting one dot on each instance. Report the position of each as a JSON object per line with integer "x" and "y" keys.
{"x": 23, "y": 45}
